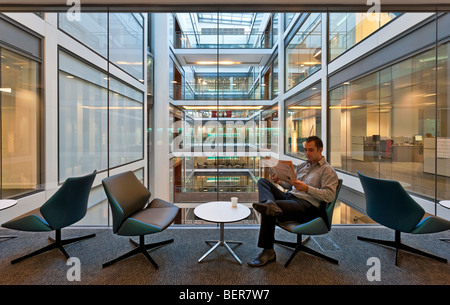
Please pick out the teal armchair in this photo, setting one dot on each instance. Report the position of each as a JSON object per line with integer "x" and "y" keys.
{"x": 390, "y": 205}
{"x": 134, "y": 215}
{"x": 318, "y": 226}
{"x": 66, "y": 207}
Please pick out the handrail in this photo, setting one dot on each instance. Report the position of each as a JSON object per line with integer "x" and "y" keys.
{"x": 223, "y": 40}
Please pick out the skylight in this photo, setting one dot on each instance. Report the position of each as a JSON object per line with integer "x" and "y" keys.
{"x": 245, "y": 19}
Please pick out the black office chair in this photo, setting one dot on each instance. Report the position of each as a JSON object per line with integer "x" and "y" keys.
{"x": 390, "y": 205}
{"x": 66, "y": 207}
{"x": 132, "y": 216}
{"x": 317, "y": 226}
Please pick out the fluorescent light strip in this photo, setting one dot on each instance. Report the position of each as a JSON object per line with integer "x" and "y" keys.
{"x": 220, "y": 63}
{"x": 222, "y": 107}
{"x": 114, "y": 107}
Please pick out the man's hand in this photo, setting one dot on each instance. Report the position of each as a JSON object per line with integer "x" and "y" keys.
{"x": 275, "y": 178}
{"x": 300, "y": 186}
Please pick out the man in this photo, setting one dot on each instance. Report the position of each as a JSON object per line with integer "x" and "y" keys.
{"x": 316, "y": 183}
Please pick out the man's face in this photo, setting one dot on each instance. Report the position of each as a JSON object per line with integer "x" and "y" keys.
{"x": 312, "y": 153}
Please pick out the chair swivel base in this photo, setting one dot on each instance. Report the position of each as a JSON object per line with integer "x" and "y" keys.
{"x": 141, "y": 247}
{"x": 398, "y": 245}
{"x": 57, "y": 243}
{"x": 299, "y": 246}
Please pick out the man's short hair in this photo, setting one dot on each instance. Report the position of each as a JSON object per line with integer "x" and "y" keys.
{"x": 317, "y": 141}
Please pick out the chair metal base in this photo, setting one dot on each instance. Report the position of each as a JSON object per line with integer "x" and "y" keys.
{"x": 398, "y": 245}
{"x": 57, "y": 243}
{"x": 141, "y": 247}
{"x": 299, "y": 247}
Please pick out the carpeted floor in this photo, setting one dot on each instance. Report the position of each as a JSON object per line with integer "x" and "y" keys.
{"x": 178, "y": 261}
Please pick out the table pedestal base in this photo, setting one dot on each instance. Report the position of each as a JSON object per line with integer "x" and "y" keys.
{"x": 221, "y": 242}
{"x": 6, "y": 237}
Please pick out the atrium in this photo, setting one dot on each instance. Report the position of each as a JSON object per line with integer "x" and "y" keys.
{"x": 192, "y": 101}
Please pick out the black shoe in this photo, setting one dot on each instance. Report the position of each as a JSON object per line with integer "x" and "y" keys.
{"x": 265, "y": 257}
{"x": 268, "y": 208}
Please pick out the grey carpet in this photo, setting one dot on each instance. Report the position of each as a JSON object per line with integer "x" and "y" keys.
{"x": 178, "y": 261}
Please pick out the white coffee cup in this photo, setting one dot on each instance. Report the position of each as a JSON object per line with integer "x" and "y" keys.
{"x": 234, "y": 201}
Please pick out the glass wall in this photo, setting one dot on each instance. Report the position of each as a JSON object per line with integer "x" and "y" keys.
{"x": 348, "y": 29}
{"x": 303, "y": 52}
{"x": 302, "y": 120}
{"x": 126, "y": 38}
{"x": 126, "y": 124}
{"x": 83, "y": 118}
{"x": 20, "y": 119}
{"x": 126, "y": 43}
{"x": 384, "y": 124}
{"x": 92, "y": 30}
{"x": 83, "y": 113}
{"x": 269, "y": 131}
{"x": 442, "y": 157}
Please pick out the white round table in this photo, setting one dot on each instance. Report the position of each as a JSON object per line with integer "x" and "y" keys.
{"x": 221, "y": 212}
{"x": 445, "y": 204}
{"x": 4, "y": 204}
{"x": 7, "y": 203}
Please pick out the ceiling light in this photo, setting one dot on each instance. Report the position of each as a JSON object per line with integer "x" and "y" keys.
{"x": 222, "y": 107}
{"x": 220, "y": 63}
{"x": 113, "y": 107}
{"x": 304, "y": 107}
{"x": 129, "y": 63}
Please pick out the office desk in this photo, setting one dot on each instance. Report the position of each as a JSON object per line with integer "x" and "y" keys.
{"x": 407, "y": 153}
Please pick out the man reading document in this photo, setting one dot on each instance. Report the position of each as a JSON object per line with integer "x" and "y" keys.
{"x": 316, "y": 183}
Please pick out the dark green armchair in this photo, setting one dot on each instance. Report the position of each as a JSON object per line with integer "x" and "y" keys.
{"x": 66, "y": 207}
{"x": 390, "y": 205}
{"x": 318, "y": 226}
{"x": 133, "y": 215}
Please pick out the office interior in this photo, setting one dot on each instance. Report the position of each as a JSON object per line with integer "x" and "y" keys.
{"x": 193, "y": 101}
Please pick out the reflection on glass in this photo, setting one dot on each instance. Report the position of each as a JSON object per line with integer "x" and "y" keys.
{"x": 303, "y": 53}
{"x": 20, "y": 124}
{"x": 269, "y": 130}
{"x": 126, "y": 126}
{"x": 196, "y": 179}
{"x": 443, "y": 126}
{"x": 384, "y": 124}
{"x": 287, "y": 19}
{"x": 91, "y": 30}
{"x": 348, "y": 29}
{"x": 82, "y": 118}
{"x": 238, "y": 83}
{"x": 126, "y": 43}
{"x": 302, "y": 120}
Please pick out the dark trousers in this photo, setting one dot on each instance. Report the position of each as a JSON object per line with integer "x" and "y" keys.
{"x": 293, "y": 209}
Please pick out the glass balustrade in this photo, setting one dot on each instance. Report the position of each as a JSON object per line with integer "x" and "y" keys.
{"x": 237, "y": 91}
{"x": 223, "y": 38}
